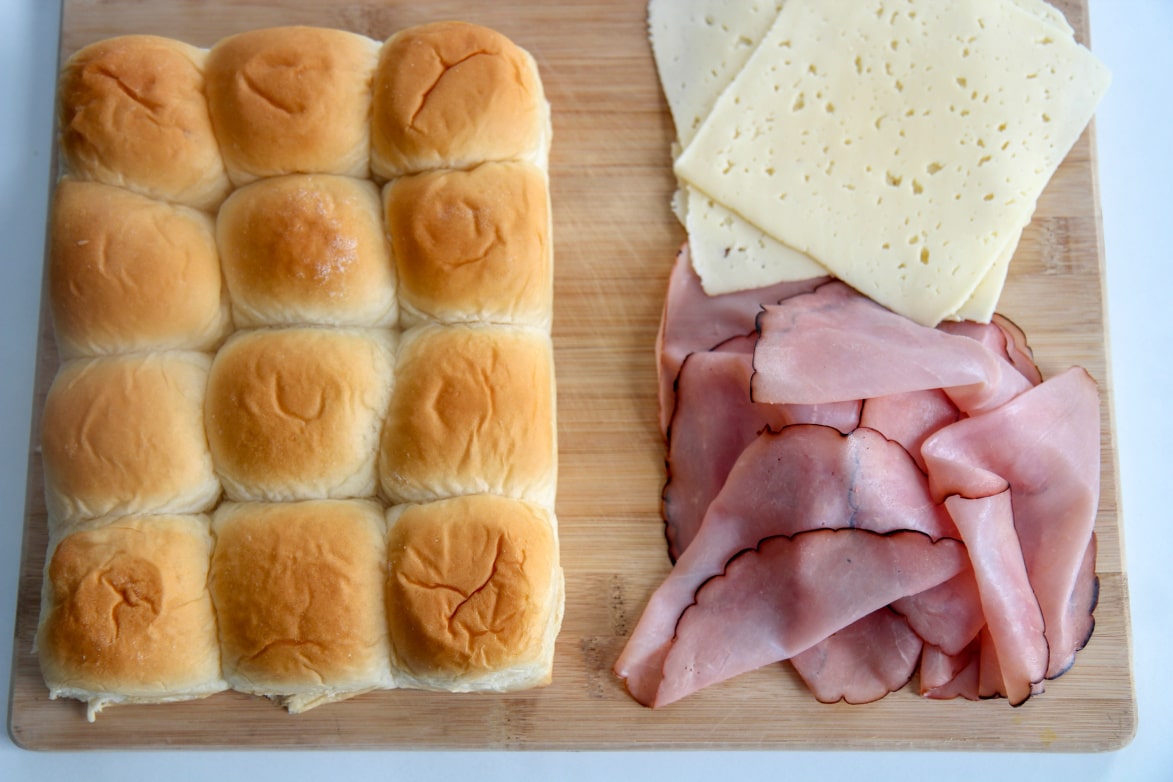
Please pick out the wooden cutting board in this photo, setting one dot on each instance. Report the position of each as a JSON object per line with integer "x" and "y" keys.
{"x": 615, "y": 240}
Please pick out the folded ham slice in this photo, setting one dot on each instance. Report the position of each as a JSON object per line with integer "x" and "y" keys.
{"x": 1012, "y": 612}
{"x": 834, "y": 345}
{"x": 692, "y": 320}
{"x": 944, "y": 676}
{"x": 909, "y": 417}
{"x": 780, "y": 599}
{"x": 801, "y": 478}
{"x": 1045, "y": 447}
{"x": 1004, "y": 337}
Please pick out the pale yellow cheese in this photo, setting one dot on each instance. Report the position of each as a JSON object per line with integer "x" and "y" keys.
{"x": 730, "y": 254}
{"x": 982, "y": 303}
{"x": 699, "y": 46}
{"x": 1047, "y": 13}
{"x": 901, "y": 144}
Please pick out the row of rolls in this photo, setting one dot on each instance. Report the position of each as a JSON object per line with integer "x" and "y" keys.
{"x": 302, "y": 441}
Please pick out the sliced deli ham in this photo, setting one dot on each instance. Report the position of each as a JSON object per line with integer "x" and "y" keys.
{"x": 835, "y": 344}
{"x": 1002, "y": 336}
{"x": 801, "y": 478}
{"x": 853, "y": 420}
{"x": 948, "y": 616}
{"x": 909, "y": 417}
{"x": 692, "y": 321}
{"x": 863, "y": 662}
{"x": 1012, "y": 612}
{"x": 1045, "y": 446}
{"x": 787, "y": 595}
{"x": 714, "y": 421}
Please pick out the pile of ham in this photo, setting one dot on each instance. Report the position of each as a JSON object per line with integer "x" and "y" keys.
{"x": 863, "y": 497}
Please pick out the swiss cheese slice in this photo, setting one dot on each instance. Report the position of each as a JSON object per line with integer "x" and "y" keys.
{"x": 699, "y": 46}
{"x": 901, "y": 144}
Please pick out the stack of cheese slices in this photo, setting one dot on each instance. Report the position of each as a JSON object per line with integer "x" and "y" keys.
{"x": 898, "y": 145}
{"x": 302, "y": 441}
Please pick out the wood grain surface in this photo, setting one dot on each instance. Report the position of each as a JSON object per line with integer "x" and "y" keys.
{"x": 615, "y": 241}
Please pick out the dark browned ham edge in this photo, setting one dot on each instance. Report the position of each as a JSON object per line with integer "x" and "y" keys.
{"x": 1004, "y": 620}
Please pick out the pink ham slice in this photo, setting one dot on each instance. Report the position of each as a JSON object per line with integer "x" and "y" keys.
{"x": 801, "y": 478}
{"x": 863, "y": 662}
{"x": 1002, "y": 336}
{"x": 910, "y": 417}
{"x": 944, "y": 676}
{"x": 692, "y": 320}
{"x": 835, "y": 344}
{"x": 1080, "y": 607}
{"x": 948, "y": 616}
{"x": 780, "y": 599}
{"x": 1012, "y": 612}
{"x": 713, "y": 423}
{"x": 1044, "y": 445}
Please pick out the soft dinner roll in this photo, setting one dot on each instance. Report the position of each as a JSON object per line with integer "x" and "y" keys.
{"x": 453, "y": 94}
{"x": 129, "y": 273}
{"x": 132, "y": 112}
{"x": 299, "y": 601}
{"x": 125, "y": 434}
{"x": 473, "y": 245}
{"x": 472, "y": 412}
{"x": 295, "y": 413}
{"x": 474, "y": 594}
{"x": 307, "y": 249}
{"x": 289, "y": 100}
{"x": 126, "y": 616}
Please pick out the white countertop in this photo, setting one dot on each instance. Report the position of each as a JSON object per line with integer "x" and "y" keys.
{"x": 1136, "y": 180}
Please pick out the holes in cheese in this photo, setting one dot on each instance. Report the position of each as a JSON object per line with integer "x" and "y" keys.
{"x": 699, "y": 46}
{"x": 949, "y": 134}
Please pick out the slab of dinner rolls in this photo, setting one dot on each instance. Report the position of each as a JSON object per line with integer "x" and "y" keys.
{"x": 474, "y": 594}
{"x": 293, "y": 429}
{"x": 472, "y": 412}
{"x": 453, "y": 94}
{"x": 125, "y": 434}
{"x": 297, "y": 588}
{"x": 126, "y": 616}
{"x": 132, "y": 112}
{"x": 129, "y": 273}
{"x": 473, "y": 245}
{"x": 295, "y": 413}
{"x": 287, "y": 100}
{"x": 307, "y": 249}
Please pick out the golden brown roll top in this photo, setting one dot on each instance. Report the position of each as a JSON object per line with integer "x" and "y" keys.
{"x": 454, "y": 94}
{"x": 126, "y": 616}
{"x": 133, "y": 113}
{"x": 129, "y": 273}
{"x": 307, "y": 249}
{"x": 472, "y": 412}
{"x": 288, "y": 100}
{"x": 295, "y": 413}
{"x": 473, "y": 245}
{"x": 125, "y": 434}
{"x": 474, "y": 594}
{"x": 297, "y": 588}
